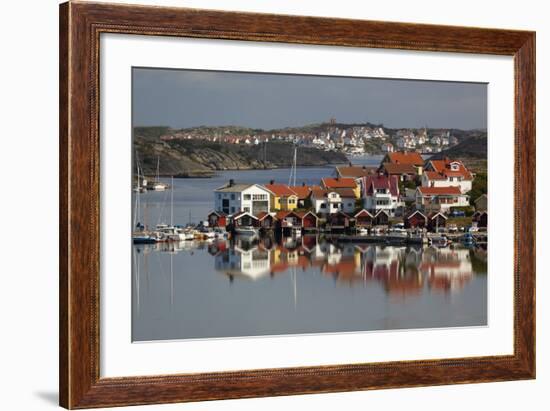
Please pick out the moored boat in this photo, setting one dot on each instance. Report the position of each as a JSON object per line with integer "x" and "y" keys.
{"x": 247, "y": 231}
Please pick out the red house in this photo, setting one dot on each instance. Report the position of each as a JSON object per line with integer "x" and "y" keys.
{"x": 480, "y": 217}
{"x": 381, "y": 218}
{"x": 288, "y": 219}
{"x": 363, "y": 218}
{"x": 339, "y": 220}
{"x": 415, "y": 220}
{"x": 217, "y": 219}
{"x": 245, "y": 219}
{"x": 309, "y": 219}
{"x": 266, "y": 220}
{"x": 436, "y": 220}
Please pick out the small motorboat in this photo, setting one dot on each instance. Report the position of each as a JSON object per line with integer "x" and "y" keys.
{"x": 143, "y": 238}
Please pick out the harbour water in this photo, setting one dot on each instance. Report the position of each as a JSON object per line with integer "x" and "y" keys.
{"x": 278, "y": 286}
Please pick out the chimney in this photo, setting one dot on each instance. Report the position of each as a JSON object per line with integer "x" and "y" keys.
{"x": 231, "y": 182}
{"x": 271, "y": 182}
{"x": 303, "y": 183}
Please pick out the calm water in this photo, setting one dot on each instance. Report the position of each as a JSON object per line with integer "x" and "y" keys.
{"x": 283, "y": 286}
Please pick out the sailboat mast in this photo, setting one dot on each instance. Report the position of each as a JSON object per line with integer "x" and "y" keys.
{"x": 172, "y": 202}
{"x": 158, "y": 168}
{"x": 292, "y": 177}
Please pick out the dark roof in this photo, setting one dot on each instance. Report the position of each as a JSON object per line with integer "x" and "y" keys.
{"x": 376, "y": 182}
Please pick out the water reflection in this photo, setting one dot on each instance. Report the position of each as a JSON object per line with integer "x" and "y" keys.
{"x": 399, "y": 270}
{"x": 223, "y": 288}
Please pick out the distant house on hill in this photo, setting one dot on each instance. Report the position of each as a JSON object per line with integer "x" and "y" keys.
{"x": 405, "y": 157}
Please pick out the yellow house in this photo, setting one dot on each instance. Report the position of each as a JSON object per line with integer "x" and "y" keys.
{"x": 282, "y": 197}
{"x": 341, "y": 182}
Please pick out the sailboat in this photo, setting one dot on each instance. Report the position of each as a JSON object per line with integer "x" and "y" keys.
{"x": 171, "y": 232}
{"x": 140, "y": 235}
{"x": 159, "y": 185}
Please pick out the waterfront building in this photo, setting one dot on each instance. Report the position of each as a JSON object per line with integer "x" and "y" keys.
{"x": 303, "y": 193}
{"x": 347, "y": 199}
{"x": 415, "y": 219}
{"x": 217, "y": 219}
{"x": 381, "y": 193}
{"x": 282, "y": 197}
{"x": 266, "y": 220}
{"x": 234, "y": 198}
{"x": 339, "y": 183}
{"x": 382, "y": 217}
{"x": 363, "y": 218}
{"x": 406, "y": 157}
{"x": 245, "y": 219}
{"x": 288, "y": 219}
{"x": 445, "y": 173}
{"x": 480, "y": 218}
{"x": 436, "y": 220}
{"x": 429, "y": 199}
{"x": 339, "y": 220}
{"x": 325, "y": 201}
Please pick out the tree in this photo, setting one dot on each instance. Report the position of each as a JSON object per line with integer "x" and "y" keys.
{"x": 479, "y": 187}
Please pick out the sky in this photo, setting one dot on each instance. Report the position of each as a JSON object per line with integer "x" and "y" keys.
{"x": 191, "y": 98}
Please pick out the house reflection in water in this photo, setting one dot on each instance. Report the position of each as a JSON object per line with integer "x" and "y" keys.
{"x": 401, "y": 271}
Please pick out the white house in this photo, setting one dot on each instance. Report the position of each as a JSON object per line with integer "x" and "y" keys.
{"x": 233, "y": 198}
{"x": 381, "y": 193}
{"x": 325, "y": 201}
{"x": 447, "y": 173}
{"x": 430, "y": 199}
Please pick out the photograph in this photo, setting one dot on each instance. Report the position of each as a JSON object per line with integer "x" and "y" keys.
{"x": 276, "y": 204}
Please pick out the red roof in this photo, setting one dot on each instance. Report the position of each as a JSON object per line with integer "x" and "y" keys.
{"x": 243, "y": 213}
{"x": 355, "y": 171}
{"x": 319, "y": 192}
{"x": 280, "y": 190}
{"x": 443, "y": 167}
{"x": 339, "y": 182}
{"x": 375, "y": 182}
{"x": 398, "y": 168}
{"x": 404, "y": 157}
{"x": 301, "y": 191}
{"x": 262, "y": 214}
{"x": 434, "y": 175}
{"x": 455, "y": 190}
{"x": 363, "y": 211}
{"x": 345, "y": 192}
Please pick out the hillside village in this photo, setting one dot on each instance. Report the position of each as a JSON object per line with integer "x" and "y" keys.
{"x": 352, "y": 139}
{"x": 404, "y": 190}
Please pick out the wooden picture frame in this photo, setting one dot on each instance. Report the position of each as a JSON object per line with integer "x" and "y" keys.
{"x": 80, "y": 27}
